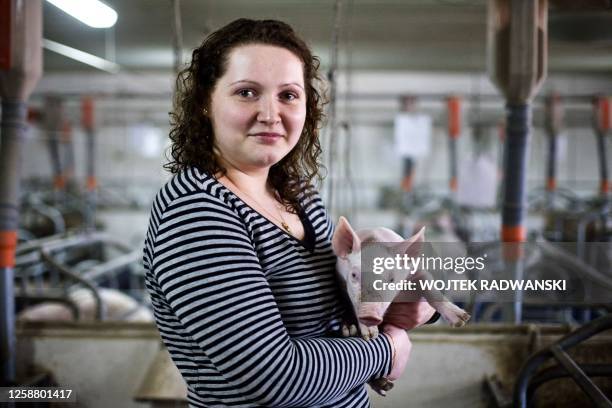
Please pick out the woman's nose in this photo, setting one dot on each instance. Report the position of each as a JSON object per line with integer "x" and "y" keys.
{"x": 268, "y": 111}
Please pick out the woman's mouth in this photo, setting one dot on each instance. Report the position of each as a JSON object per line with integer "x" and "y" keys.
{"x": 267, "y": 137}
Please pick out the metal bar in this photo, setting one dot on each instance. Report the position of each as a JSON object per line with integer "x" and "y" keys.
{"x": 107, "y": 268}
{"x": 556, "y": 372}
{"x": 87, "y": 121}
{"x": 13, "y": 129}
{"x": 28, "y": 299}
{"x": 603, "y": 163}
{"x": 530, "y": 367}
{"x": 496, "y": 391}
{"x": 515, "y": 172}
{"x": 100, "y": 307}
{"x": 584, "y": 382}
{"x": 518, "y": 126}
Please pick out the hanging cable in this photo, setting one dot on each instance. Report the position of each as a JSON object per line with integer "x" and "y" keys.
{"x": 332, "y": 124}
{"x": 348, "y": 174}
{"x": 177, "y": 37}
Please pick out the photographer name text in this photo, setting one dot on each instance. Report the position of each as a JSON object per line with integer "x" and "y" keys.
{"x": 474, "y": 284}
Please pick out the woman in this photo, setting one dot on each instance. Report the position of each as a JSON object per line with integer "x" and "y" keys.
{"x": 238, "y": 256}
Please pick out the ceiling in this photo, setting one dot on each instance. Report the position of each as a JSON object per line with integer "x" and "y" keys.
{"x": 421, "y": 35}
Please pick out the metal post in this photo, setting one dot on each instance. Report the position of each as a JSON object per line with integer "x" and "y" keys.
{"x": 517, "y": 52}
{"x": 20, "y": 70}
{"x": 552, "y": 125}
{"x": 87, "y": 121}
{"x": 518, "y": 126}
{"x": 12, "y": 128}
{"x": 602, "y": 125}
{"x": 454, "y": 129}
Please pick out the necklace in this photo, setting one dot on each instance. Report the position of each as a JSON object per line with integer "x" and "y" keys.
{"x": 282, "y": 221}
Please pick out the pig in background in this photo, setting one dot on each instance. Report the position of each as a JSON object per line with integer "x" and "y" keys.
{"x": 119, "y": 306}
{"x": 346, "y": 244}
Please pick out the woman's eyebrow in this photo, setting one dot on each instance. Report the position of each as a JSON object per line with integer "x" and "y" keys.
{"x": 245, "y": 80}
{"x": 248, "y": 81}
{"x": 293, "y": 83}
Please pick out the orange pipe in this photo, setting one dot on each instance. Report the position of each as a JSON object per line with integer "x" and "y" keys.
{"x": 87, "y": 113}
{"x": 8, "y": 243}
{"x": 453, "y": 184}
{"x": 454, "y": 116}
{"x": 603, "y": 113}
{"x": 92, "y": 183}
{"x": 407, "y": 183}
{"x": 59, "y": 182}
{"x": 514, "y": 233}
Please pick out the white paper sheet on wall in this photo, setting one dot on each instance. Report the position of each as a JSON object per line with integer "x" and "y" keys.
{"x": 412, "y": 134}
{"x": 561, "y": 148}
{"x": 477, "y": 182}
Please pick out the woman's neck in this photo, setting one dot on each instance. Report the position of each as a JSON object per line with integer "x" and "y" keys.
{"x": 254, "y": 183}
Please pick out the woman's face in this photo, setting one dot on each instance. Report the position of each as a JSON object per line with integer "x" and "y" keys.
{"x": 258, "y": 107}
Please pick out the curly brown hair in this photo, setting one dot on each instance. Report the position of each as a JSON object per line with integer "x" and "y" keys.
{"x": 192, "y": 133}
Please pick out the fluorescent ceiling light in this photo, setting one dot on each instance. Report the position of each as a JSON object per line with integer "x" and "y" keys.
{"x": 94, "y": 13}
{"x": 81, "y": 56}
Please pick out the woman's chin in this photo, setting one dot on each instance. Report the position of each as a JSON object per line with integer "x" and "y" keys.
{"x": 267, "y": 160}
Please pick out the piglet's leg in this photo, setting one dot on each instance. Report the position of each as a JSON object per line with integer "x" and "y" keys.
{"x": 456, "y": 316}
{"x": 453, "y": 314}
{"x": 366, "y": 332}
{"x": 381, "y": 385}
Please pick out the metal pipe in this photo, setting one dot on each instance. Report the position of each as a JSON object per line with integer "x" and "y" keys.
{"x": 518, "y": 124}
{"x": 87, "y": 121}
{"x": 517, "y": 53}
{"x": 454, "y": 129}
{"x": 20, "y": 70}
{"x": 602, "y": 125}
{"x": 100, "y": 307}
{"x": 530, "y": 367}
{"x": 552, "y": 124}
{"x": 67, "y": 152}
{"x": 13, "y": 128}
{"x": 177, "y": 36}
{"x": 53, "y": 115}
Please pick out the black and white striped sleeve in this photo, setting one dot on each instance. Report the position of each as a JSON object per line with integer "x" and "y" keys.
{"x": 205, "y": 264}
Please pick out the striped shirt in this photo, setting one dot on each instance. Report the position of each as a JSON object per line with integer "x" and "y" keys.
{"x": 247, "y": 311}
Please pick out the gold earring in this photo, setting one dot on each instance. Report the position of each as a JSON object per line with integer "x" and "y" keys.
{"x": 205, "y": 111}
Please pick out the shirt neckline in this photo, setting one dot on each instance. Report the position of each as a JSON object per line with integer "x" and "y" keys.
{"x": 309, "y": 237}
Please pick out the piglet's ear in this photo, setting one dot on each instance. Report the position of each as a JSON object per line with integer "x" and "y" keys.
{"x": 345, "y": 240}
{"x": 413, "y": 245}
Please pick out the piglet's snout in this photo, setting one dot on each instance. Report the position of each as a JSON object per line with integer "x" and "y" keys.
{"x": 371, "y": 314}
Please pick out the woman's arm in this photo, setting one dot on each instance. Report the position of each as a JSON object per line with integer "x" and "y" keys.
{"x": 209, "y": 274}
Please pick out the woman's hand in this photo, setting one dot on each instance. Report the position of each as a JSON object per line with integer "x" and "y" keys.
{"x": 408, "y": 315}
{"x": 402, "y": 347}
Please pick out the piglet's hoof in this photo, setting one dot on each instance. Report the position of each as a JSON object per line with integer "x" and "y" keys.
{"x": 368, "y": 332}
{"x": 349, "y": 330}
{"x": 456, "y": 316}
{"x": 381, "y": 386}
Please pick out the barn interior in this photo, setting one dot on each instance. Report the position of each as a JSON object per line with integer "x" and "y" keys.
{"x": 487, "y": 122}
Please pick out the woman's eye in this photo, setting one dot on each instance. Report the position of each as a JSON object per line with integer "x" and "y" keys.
{"x": 246, "y": 93}
{"x": 290, "y": 96}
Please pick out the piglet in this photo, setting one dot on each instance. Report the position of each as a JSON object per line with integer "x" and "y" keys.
{"x": 119, "y": 306}
{"x": 346, "y": 244}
